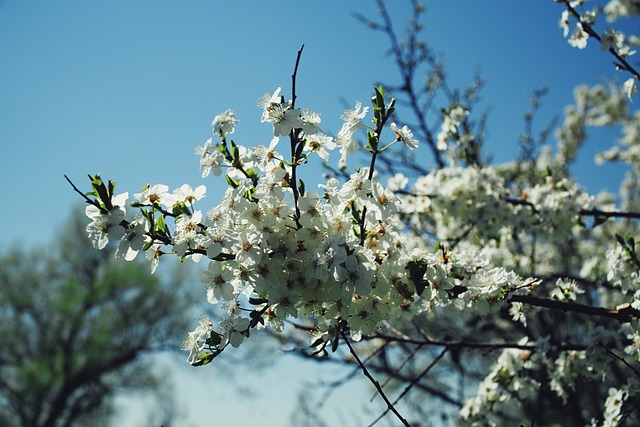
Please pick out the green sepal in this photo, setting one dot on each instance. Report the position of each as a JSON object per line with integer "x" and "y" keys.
{"x": 147, "y": 245}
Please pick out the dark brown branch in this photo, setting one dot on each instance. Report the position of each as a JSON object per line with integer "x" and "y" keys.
{"x": 595, "y": 212}
{"x": 463, "y": 344}
{"x": 609, "y": 214}
{"x": 624, "y": 313}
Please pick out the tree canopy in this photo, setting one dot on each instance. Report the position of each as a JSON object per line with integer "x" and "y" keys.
{"x": 75, "y": 324}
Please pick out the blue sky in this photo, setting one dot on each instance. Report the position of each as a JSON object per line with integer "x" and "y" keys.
{"x": 129, "y": 88}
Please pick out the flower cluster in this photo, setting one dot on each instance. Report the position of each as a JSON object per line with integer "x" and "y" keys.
{"x": 338, "y": 256}
{"x": 611, "y": 40}
{"x": 482, "y": 196}
{"x": 353, "y": 256}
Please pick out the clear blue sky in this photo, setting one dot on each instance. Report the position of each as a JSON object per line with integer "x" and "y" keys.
{"x": 129, "y": 88}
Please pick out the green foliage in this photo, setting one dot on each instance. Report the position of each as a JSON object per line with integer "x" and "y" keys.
{"x": 74, "y": 324}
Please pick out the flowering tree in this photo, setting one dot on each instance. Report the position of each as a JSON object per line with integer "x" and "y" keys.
{"x": 439, "y": 267}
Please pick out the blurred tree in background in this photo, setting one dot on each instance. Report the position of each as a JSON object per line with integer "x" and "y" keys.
{"x": 75, "y": 324}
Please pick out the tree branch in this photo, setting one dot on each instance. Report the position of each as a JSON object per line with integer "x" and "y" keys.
{"x": 375, "y": 383}
{"x": 413, "y": 383}
{"x": 624, "y": 313}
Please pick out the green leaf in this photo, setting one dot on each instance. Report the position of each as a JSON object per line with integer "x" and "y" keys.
{"x": 232, "y": 182}
{"x": 179, "y": 209}
{"x": 379, "y": 96}
{"x": 631, "y": 241}
{"x": 100, "y": 190}
{"x": 161, "y": 225}
{"x": 417, "y": 269}
{"x": 206, "y": 358}
{"x": 392, "y": 107}
{"x": 256, "y": 318}
{"x": 317, "y": 342}
{"x": 335, "y": 341}
{"x": 299, "y": 149}
{"x": 373, "y": 140}
{"x": 112, "y": 187}
{"x": 214, "y": 339}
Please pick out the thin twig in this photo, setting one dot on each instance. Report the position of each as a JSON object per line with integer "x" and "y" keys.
{"x": 589, "y": 30}
{"x": 84, "y": 196}
{"x": 413, "y": 383}
{"x": 293, "y": 78}
{"x": 635, "y": 371}
{"x": 293, "y": 136}
{"x": 375, "y": 383}
{"x": 395, "y": 371}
